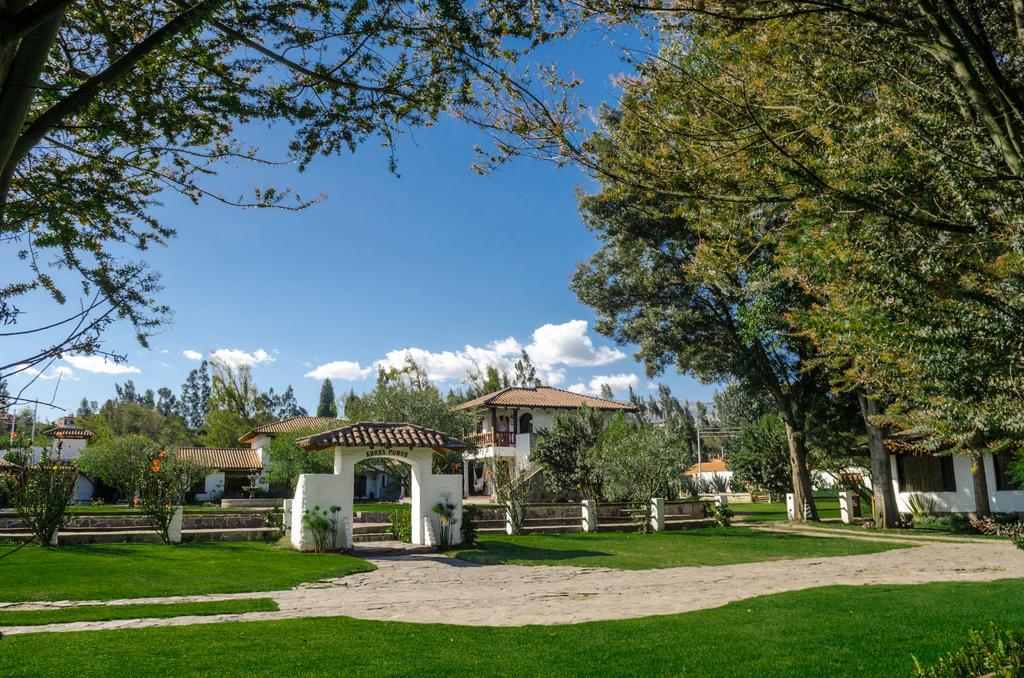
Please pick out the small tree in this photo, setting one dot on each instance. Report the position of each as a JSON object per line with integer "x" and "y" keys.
{"x": 510, "y": 489}
{"x": 166, "y": 481}
{"x": 566, "y": 452}
{"x": 760, "y": 458}
{"x": 639, "y": 466}
{"x": 287, "y": 461}
{"x": 120, "y": 462}
{"x": 41, "y": 493}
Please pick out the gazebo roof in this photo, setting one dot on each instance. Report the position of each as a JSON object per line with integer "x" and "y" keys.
{"x": 69, "y": 432}
{"x": 379, "y": 434}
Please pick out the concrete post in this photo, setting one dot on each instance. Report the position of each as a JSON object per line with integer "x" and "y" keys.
{"x": 53, "y": 539}
{"x": 790, "y": 506}
{"x": 286, "y": 516}
{"x": 174, "y": 529}
{"x": 589, "y": 507}
{"x": 508, "y": 522}
{"x": 658, "y": 514}
{"x": 723, "y": 500}
{"x": 429, "y": 534}
{"x": 343, "y": 531}
{"x": 846, "y": 512}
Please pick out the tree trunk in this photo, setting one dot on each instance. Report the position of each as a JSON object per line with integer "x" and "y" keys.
{"x": 981, "y": 505}
{"x": 803, "y": 497}
{"x": 886, "y": 514}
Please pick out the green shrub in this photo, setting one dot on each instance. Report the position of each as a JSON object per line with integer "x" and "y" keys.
{"x": 470, "y": 513}
{"x": 401, "y": 523}
{"x": 722, "y": 515}
{"x": 994, "y": 652}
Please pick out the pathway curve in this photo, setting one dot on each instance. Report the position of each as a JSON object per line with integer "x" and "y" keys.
{"x": 431, "y": 588}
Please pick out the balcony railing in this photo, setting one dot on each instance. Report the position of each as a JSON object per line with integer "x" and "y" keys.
{"x": 495, "y": 439}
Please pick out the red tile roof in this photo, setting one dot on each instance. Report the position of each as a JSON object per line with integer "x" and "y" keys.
{"x": 291, "y": 425}
{"x": 545, "y": 397}
{"x": 223, "y": 458}
{"x": 709, "y": 466}
{"x": 69, "y": 432}
{"x": 381, "y": 435}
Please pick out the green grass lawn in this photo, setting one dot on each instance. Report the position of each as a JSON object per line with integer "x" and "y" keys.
{"x": 834, "y": 631}
{"x": 634, "y": 551}
{"x": 105, "y": 571}
{"x": 142, "y": 611}
{"x": 828, "y": 509}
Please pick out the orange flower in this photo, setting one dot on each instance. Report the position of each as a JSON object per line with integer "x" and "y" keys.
{"x": 136, "y": 502}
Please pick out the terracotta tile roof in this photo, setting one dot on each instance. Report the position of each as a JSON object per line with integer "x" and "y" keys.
{"x": 710, "y": 466}
{"x": 383, "y": 435}
{"x": 543, "y": 397}
{"x": 69, "y": 432}
{"x": 291, "y": 425}
{"x": 223, "y": 458}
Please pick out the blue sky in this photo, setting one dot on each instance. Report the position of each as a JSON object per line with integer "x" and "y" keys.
{"x": 461, "y": 269}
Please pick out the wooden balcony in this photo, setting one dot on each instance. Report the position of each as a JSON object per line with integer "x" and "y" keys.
{"x": 495, "y": 439}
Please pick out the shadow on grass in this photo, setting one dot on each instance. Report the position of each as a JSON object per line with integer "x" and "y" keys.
{"x": 504, "y": 552}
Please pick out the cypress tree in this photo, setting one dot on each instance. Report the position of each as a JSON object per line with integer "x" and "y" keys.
{"x": 328, "y": 407}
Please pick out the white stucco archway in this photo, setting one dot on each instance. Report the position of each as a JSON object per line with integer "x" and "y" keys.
{"x": 406, "y": 443}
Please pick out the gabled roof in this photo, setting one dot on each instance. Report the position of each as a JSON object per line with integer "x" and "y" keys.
{"x": 69, "y": 432}
{"x": 291, "y": 425}
{"x": 375, "y": 434}
{"x": 710, "y": 466}
{"x": 546, "y": 397}
{"x": 223, "y": 458}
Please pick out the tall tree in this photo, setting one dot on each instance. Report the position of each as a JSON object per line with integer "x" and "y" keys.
{"x": 195, "y": 397}
{"x": 328, "y": 406}
{"x": 167, "y": 402}
{"x": 235, "y": 406}
{"x": 525, "y": 372}
{"x": 716, "y": 307}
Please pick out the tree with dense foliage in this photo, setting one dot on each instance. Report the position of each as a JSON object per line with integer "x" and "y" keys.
{"x": 105, "y": 109}
{"x": 637, "y": 467}
{"x": 286, "y": 461}
{"x": 119, "y": 461}
{"x": 117, "y": 418}
{"x": 759, "y": 458}
{"x": 488, "y": 380}
{"x": 328, "y": 406}
{"x": 566, "y": 449}
{"x": 283, "y": 405}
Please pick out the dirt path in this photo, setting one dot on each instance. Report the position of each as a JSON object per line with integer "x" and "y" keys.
{"x": 426, "y": 588}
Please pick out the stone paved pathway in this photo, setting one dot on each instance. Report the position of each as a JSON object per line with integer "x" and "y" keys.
{"x": 431, "y": 588}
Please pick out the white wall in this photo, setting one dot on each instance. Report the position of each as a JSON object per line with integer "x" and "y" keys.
{"x": 213, "y": 487}
{"x": 962, "y": 501}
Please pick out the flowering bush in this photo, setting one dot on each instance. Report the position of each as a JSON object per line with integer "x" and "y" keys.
{"x": 990, "y": 525}
{"x": 41, "y": 492}
{"x": 165, "y": 481}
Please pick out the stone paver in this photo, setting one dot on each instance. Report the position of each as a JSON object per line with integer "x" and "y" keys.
{"x": 435, "y": 589}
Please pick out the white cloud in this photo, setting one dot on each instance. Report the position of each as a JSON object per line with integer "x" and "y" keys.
{"x": 52, "y": 373}
{"x": 99, "y": 364}
{"x": 552, "y": 348}
{"x": 340, "y": 369}
{"x": 569, "y": 344}
{"x": 192, "y": 355}
{"x": 233, "y": 357}
{"x": 619, "y": 383}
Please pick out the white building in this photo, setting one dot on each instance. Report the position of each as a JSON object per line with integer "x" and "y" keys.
{"x": 507, "y": 421}
{"x": 946, "y": 483}
{"x": 68, "y": 441}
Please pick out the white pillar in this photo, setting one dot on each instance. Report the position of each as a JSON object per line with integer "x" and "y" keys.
{"x": 790, "y": 506}
{"x": 846, "y": 512}
{"x": 338, "y": 461}
{"x": 589, "y": 507}
{"x": 508, "y": 522}
{"x": 286, "y": 516}
{"x": 658, "y": 514}
{"x": 53, "y": 539}
{"x": 723, "y": 500}
{"x": 465, "y": 478}
{"x": 174, "y": 529}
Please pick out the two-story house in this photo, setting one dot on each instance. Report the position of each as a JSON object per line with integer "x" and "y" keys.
{"x": 507, "y": 421}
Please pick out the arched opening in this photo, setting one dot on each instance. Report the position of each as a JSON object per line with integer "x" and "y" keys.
{"x": 526, "y": 423}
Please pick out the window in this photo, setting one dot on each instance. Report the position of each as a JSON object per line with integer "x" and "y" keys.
{"x": 1004, "y": 480}
{"x": 526, "y": 423}
{"x": 925, "y": 473}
